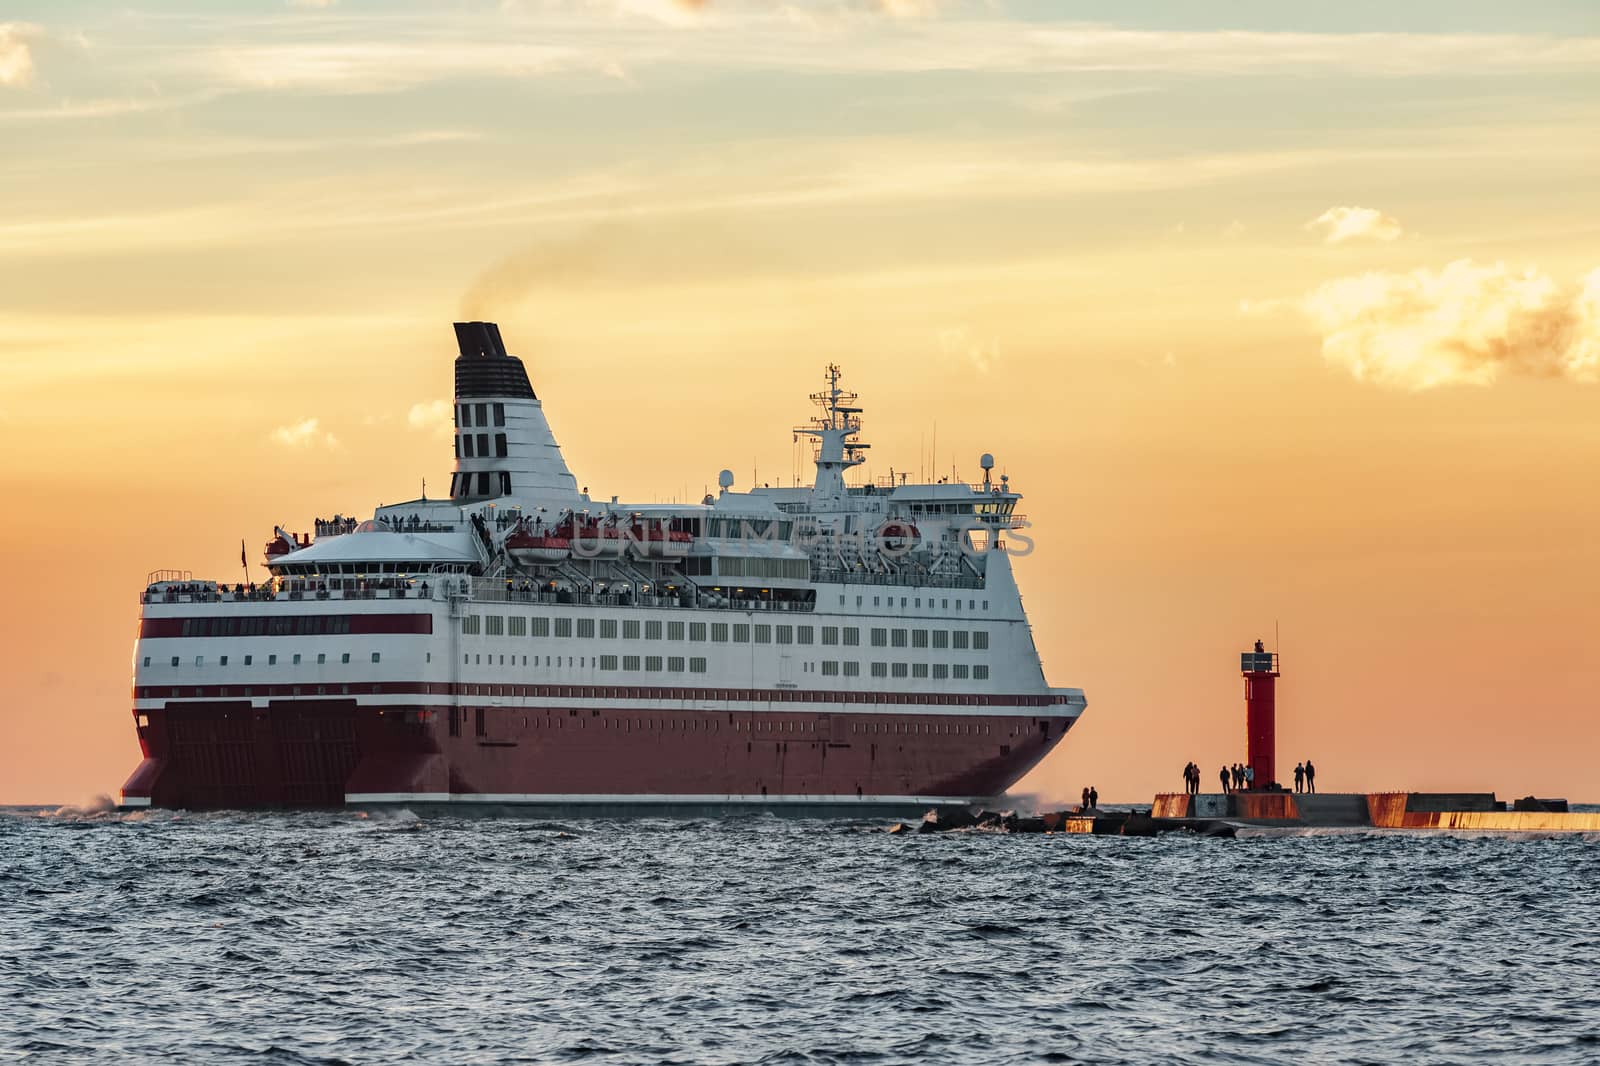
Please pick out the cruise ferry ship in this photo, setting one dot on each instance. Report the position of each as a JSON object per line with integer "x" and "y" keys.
{"x": 845, "y": 646}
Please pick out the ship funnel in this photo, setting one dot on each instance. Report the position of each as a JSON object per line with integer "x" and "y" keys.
{"x": 480, "y": 339}
{"x": 504, "y": 446}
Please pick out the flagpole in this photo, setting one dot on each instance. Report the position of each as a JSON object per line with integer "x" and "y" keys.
{"x": 244, "y": 563}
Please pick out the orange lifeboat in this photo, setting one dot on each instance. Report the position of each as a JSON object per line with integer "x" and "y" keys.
{"x": 655, "y": 540}
{"x": 898, "y": 536}
{"x": 532, "y": 546}
{"x": 593, "y": 538}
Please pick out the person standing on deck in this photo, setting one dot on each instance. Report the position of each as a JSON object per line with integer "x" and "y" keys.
{"x": 1311, "y": 777}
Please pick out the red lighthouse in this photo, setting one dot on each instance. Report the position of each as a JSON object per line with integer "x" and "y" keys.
{"x": 1260, "y": 670}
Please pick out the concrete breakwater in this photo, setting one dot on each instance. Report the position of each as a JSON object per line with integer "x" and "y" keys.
{"x": 1224, "y": 814}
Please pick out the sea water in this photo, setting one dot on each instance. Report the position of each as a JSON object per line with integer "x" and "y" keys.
{"x": 335, "y": 937}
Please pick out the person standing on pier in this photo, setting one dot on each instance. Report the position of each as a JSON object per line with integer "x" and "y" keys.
{"x": 1299, "y": 776}
{"x": 1094, "y": 798}
{"x": 1250, "y": 778}
{"x": 1311, "y": 777}
{"x": 1224, "y": 776}
{"x": 1085, "y": 797}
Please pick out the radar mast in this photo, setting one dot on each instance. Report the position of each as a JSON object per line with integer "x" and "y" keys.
{"x": 837, "y": 430}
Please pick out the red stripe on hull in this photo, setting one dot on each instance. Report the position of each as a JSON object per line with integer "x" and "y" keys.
{"x": 228, "y": 754}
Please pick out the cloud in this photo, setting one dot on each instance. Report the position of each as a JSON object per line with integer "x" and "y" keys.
{"x": 907, "y": 9}
{"x": 16, "y": 57}
{"x": 961, "y": 348}
{"x": 434, "y": 415}
{"x": 318, "y": 4}
{"x": 671, "y": 12}
{"x": 1340, "y": 224}
{"x": 306, "y": 433}
{"x": 1464, "y": 325}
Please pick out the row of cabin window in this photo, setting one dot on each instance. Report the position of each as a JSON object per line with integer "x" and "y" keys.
{"x": 937, "y": 671}
{"x": 465, "y": 446}
{"x": 749, "y": 529}
{"x": 461, "y": 483}
{"x": 272, "y": 660}
{"x": 262, "y": 625}
{"x": 697, "y": 665}
{"x": 739, "y": 566}
{"x": 650, "y": 663}
{"x": 908, "y": 603}
{"x": 959, "y": 728}
{"x": 628, "y": 723}
{"x": 494, "y": 625}
{"x": 477, "y": 414}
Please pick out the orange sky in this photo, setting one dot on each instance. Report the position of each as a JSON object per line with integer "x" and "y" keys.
{"x": 1289, "y": 325}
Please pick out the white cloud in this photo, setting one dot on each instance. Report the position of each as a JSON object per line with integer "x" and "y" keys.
{"x": 306, "y": 433}
{"x": 372, "y": 66}
{"x": 1464, "y": 325}
{"x": 16, "y": 57}
{"x": 961, "y": 348}
{"x": 671, "y": 12}
{"x": 1340, "y": 224}
{"x": 434, "y": 415}
{"x": 907, "y": 9}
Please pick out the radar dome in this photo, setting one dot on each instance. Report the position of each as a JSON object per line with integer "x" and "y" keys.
{"x": 986, "y": 461}
{"x": 725, "y": 479}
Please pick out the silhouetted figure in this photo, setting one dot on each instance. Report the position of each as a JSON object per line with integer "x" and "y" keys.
{"x": 1250, "y": 778}
{"x": 1311, "y": 777}
{"x": 1260, "y": 648}
{"x": 1085, "y": 797}
{"x": 1094, "y": 798}
{"x": 1299, "y": 777}
{"x": 1224, "y": 776}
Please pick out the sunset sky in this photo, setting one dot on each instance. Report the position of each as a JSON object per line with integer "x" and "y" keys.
{"x": 1279, "y": 315}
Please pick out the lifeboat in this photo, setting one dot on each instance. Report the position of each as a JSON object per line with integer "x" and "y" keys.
{"x": 593, "y": 539}
{"x": 532, "y": 545}
{"x": 531, "y": 548}
{"x": 654, "y": 541}
{"x": 280, "y": 545}
{"x": 897, "y": 536}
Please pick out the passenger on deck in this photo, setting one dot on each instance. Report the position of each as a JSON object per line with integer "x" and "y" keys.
{"x": 1299, "y": 776}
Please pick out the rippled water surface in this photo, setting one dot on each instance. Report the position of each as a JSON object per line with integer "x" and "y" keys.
{"x": 336, "y": 938}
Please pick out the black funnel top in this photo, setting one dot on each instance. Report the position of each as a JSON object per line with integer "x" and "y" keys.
{"x": 483, "y": 368}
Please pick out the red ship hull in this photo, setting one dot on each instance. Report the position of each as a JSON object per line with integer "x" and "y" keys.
{"x": 229, "y": 753}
